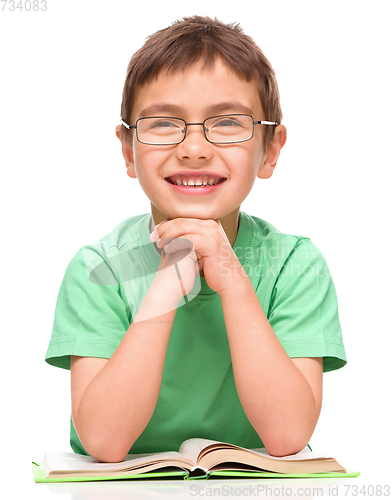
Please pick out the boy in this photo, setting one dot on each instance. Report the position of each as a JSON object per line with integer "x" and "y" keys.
{"x": 215, "y": 325}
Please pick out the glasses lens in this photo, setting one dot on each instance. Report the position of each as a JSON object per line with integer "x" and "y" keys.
{"x": 230, "y": 128}
{"x": 160, "y": 130}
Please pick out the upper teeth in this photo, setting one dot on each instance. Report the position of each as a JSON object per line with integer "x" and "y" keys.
{"x": 204, "y": 180}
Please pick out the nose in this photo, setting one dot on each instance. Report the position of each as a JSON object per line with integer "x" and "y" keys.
{"x": 195, "y": 144}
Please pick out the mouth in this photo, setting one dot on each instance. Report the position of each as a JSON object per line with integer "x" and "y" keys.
{"x": 195, "y": 185}
{"x": 195, "y": 181}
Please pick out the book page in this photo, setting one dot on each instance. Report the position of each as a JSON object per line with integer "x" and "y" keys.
{"x": 191, "y": 448}
{"x": 305, "y": 454}
{"x": 67, "y": 461}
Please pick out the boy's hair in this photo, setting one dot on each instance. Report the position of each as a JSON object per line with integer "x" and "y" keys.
{"x": 196, "y": 38}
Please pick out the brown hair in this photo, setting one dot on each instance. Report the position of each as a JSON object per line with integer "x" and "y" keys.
{"x": 201, "y": 38}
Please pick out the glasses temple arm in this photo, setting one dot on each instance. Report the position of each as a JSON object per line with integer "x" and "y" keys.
{"x": 126, "y": 125}
{"x": 265, "y": 123}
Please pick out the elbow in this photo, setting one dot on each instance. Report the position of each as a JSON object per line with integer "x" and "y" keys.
{"x": 287, "y": 440}
{"x": 102, "y": 446}
{"x": 284, "y": 445}
{"x": 284, "y": 449}
{"x": 105, "y": 452}
{"x": 108, "y": 456}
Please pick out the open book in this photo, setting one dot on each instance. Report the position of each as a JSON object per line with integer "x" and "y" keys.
{"x": 196, "y": 458}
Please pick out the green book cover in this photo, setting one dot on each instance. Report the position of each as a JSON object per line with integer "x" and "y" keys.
{"x": 39, "y": 475}
{"x": 197, "y": 458}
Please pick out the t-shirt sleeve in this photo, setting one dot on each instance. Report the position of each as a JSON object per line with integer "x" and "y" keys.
{"x": 91, "y": 318}
{"x": 303, "y": 310}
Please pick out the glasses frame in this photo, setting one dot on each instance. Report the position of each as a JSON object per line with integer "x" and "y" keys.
{"x": 186, "y": 125}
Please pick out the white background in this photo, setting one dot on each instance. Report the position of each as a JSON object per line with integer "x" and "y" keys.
{"x": 64, "y": 185}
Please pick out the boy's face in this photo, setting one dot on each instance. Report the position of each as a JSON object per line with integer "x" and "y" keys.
{"x": 194, "y": 95}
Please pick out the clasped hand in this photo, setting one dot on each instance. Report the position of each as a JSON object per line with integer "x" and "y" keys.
{"x": 194, "y": 245}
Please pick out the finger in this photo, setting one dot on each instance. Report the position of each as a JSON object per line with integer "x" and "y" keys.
{"x": 162, "y": 221}
{"x": 182, "y": 227}
{"x": 173, "y": 245}
{"x": 219, "y": 223}
{"x": 154, "y": 235}
{"x": 171, "y": 259}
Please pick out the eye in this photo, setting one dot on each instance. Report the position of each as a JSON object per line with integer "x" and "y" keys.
{"x": 219, "y": 123}
{"x": 226, "y": 122}
{"x": 163, "y": 124}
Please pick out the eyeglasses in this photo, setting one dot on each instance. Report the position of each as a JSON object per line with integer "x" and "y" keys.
{"x": 222, "y": 129}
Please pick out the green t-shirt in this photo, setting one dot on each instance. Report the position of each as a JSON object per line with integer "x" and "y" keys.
{"x": 105, "y": 283}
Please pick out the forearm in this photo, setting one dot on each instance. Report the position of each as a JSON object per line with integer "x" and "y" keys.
{"x": 119, "y": 401}
{"x": 274, "y": 394}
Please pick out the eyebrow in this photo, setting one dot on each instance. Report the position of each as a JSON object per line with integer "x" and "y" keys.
{"x": 230, "y": 107}
{"x": 172, "y": 110}
{"x": 157, "y": 109}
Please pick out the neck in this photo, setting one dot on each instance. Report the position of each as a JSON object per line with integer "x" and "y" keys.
{"x": 230, "y": 225}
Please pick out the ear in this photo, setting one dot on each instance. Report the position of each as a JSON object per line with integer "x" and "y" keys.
{"x": 127, "y": 152}
{"x": 271, "y": 155}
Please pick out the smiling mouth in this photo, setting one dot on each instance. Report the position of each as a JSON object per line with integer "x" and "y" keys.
{"x": 195, "y": 181}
